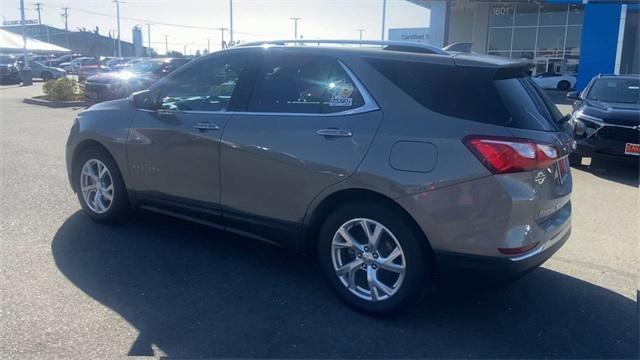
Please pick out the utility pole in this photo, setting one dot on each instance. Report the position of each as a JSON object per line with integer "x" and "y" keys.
{"x": 166, "y": 44}
{"x": 384, "y": 18}
{"x": 185, "y": 48}
{"x": 66, "y": 25}
{"x": 208, "y": 45}
{"x": 360, "y": 31}
{"x": 222, "y": 44}
{"x": 118, "y": 16}
{"x": 231, "y": 22}
{"x": 26, "y": 71}
{"x": 38, "y": 8}
{"x": 295, "y": 27}
{"x": 149, "y": 39}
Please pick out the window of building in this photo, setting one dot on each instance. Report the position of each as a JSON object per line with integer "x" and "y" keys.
{"x": 304, "y": 84}
{"x": 500, "y": 39}
{"x": 526, "y": 15}
{"x": 547, "y": 35}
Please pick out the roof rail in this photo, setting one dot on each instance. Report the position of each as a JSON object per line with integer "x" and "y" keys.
{"x": 393, "y": 44}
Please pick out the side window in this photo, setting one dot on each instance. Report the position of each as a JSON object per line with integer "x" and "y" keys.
{"x": 207, "y": 86}
{"x": 304, "y": 84}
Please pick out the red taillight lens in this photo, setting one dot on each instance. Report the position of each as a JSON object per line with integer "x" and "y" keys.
{"x": 506, "y": 155}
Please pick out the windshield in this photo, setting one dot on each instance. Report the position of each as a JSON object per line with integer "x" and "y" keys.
{"x": 614, "y": 90}
{"x": 145, "y": 66}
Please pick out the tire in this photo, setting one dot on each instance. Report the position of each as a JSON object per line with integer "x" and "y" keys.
{"x": 405, "y": 292}
{"x": 564, "y": 85}
{"x": 46, "y": 76}
{"x": 101, "y": 209}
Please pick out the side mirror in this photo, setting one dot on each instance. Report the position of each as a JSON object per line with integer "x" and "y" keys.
{"x": 574, "y": 95}
{"x": 143, "y": 100}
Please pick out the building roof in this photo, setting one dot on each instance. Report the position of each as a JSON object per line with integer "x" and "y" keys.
{"x": 10, "y": 41}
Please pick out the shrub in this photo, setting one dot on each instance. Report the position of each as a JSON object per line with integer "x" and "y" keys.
{"x": 64, "y": 89}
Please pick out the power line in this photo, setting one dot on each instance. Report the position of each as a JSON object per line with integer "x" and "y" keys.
{"x": 157, "y": 22}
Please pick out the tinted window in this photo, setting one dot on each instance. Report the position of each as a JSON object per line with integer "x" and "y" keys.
{"x": 527, "y": 105}
{"x": 460, "y": 92}
{"x": 472, "y": 94}
{"x": 304, "y": 84}
{"x": 207, "y": 86}
{"x": 615, "y": 90}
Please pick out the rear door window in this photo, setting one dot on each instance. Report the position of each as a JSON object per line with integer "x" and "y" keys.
{"x": 298, "y": 83}
{"x": 471, "y": 93}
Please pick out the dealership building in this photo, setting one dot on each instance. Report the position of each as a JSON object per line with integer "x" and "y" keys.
{"x": 586, "y": 37}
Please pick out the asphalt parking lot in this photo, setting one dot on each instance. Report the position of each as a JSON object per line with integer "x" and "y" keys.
{"x": 162, "y": 287}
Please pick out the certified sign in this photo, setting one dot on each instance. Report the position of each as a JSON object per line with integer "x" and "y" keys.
{"x": 18, "y": 22}
{"x": 410, "y": 34}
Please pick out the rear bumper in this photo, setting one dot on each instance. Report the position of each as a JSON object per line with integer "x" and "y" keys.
{"x": 500, "y": 267}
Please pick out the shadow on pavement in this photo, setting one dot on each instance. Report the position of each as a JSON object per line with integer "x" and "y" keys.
{"x": 196, "y": 292}
{"x": 624, "y": 171}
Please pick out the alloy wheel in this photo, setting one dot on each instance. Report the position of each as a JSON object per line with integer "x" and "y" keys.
{"x": 96, "y": 185}
{"x": 368, "y": 259}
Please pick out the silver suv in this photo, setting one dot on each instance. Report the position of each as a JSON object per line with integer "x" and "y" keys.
{"x": 389, "y": 162}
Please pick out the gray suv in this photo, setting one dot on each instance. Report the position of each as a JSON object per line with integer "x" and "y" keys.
{"x": 388, "y": 163}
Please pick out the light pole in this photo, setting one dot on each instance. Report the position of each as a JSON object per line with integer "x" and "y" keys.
{"x": 360, "y": 31}
{"x": 295, "y": 27}
{"x": 26, "y": 71}
{"x": 166, "y": 44}
{"x": 118, "y": 16}
{"x": 384, "y": 18}
{"x": 149, "y": 39}
{"x": 208, "y": 45}
{"x": 231, "y": 22}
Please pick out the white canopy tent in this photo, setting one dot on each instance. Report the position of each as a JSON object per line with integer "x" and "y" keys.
{"x": 12, "y": 42}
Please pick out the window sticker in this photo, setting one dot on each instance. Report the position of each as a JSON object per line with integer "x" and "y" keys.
{"x": 341, "y": 94}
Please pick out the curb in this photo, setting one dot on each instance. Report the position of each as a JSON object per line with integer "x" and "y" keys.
{"x": 54, "y": 104}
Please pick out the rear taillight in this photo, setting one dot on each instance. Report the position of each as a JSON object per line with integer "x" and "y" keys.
{"x": 507, "y": 155}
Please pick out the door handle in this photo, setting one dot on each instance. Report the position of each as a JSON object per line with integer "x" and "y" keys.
{"x": 334, "y": 133}
{"x": 204, "y": 126}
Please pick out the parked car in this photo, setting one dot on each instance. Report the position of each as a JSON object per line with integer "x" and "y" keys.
{"x": 73, "y": 67}
{"x": 57, "y": 62}
{"x": 117, "y": 85}
{"x": 44, "y": 72}
{"x": 128, "y": 63}
{"x": 111, "y": 63}
{"x": 390, "y": 164}
{"x": 88, "y": 71}
{"x": 9, "y": 70}
{"x": 606, "y": 117}
{"x": 39, "y": 58}
{"x": 552, "y": 80}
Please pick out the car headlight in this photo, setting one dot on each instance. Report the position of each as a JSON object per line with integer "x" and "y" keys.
{"x": 582, "y": 116}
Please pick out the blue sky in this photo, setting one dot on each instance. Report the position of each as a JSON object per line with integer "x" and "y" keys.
{"x": 253, "y": 19}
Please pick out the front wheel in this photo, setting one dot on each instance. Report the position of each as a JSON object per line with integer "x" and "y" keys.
{"x": 100, "y": 187}
{"x": 372, "y": 258}
{"x": 564, "y": 85}
{"x": 46, "y": 76}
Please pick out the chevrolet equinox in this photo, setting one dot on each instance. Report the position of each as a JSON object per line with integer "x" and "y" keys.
{"x": 389, "y": 162}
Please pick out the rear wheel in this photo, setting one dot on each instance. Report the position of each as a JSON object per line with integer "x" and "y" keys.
{"x": 372, "y": 258}
{"x": 564, "y": 85}
{"x": 100, "y": 186}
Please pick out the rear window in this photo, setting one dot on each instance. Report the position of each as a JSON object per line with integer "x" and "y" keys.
{"x": 472, "y": 94}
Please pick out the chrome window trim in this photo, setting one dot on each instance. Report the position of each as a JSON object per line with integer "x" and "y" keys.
{"x": 368, "y": 106}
